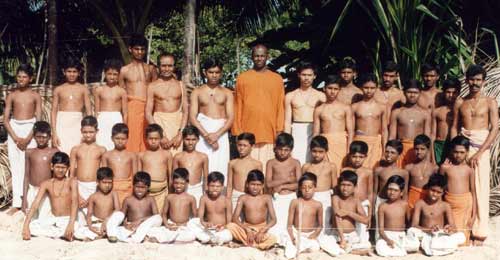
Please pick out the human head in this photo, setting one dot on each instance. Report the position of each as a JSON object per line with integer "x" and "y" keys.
{"x": 347, "y": 71}
{"x": 395, "y": 186}
{"x": 319, "y": 147}
{"x": 347, "y": 182}
{"x": 412, "y": 89}
{"x": 41, "y": 133}
{"x": 105, "y": 179}
{"x": 306, "y": 73}
{"x": 368, "y": 84}
{"x": 24, "y": 75}
{"x": 154, "y": 134}
{"x": 190, "y": 136}
{"x": 390, "y": 74}
{"x": 332, "y": 87}
{"x": 436, "y": 186}
{"x": 137, "y": 46}
{"x": 141, "y": 183}
{"x": 112, "y": 71}
{"x": 254, "y": 182}
{"x": 393, "y": 148}
{"x": 72, "y": 69}
{"x": 215, "y": 184}
{"x": 244, "y": 144}
{"x": 451, "y": 89}
{"x": 459, "y": 149}
{"x": 180, "y": 179}
{"x": 119, "y": 135}
{"x": 430, "y": 75}
{"x": 59, "y": 165}
{"x": 307, "y": 185}
{"x": 283, "y": 146}
{"x": 212, "y": 70}
{"x": 259, "y": 56}
{"x": 421, "y": 146}
{"x": 166, "y": 65}
{"x": 89, "y": 129}
{"x": 475, "y": 77}
{"x": 358, "y": 151}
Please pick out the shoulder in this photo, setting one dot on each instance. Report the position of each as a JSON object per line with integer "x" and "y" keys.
{"x": 491, "y": 100}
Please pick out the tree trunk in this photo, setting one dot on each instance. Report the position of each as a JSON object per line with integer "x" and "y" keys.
{"x": 189, "y": 42}
{"x": 52, "y": 40}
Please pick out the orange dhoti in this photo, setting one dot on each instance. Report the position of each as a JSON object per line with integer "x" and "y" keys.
{"x": 239, "y": 234}
{"x": 171, "y": 124}
{"x": 159, "y": 190}
{"x": 461, "y": 209}
{"x": 374, "y": 149}
{"x": 123, "y": 188}
{"x": 136, "y": 124}
{"x": 337, "y": 148}
{"x": 415, "y": 194}
{"x": 408, "y": 155}
{"x": 263, "y": 152}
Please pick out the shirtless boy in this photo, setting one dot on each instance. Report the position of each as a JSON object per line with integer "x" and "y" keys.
{"x": 282, "y": 174}
{"x": 110, "y": 104}
{"x": 433, "y": 223}
{"x": 134, "y": 78}
{"x": 429, "y": 98}
{"x": 257, "y": 214}
{"x": 393, "y": 216}
{"x": 122, "y": 162}
{"x": 461, "y": 192}
{"x": 85, "y": 160}
{"x": 334, "y": 120}
{"x": 420, "y": 170}
{"x": 157, "y": 162}
{"x": 349, "y": 93}
{"x": 167, "y": 104}
{"x": 442, "y": 120}
{"x": 38, "y": 168}
{"x": 26, "y": 107}
{"x": 195, "y": 162}
{"x": 370, "y": 121}
{"x": 239, "y": 168}
{"x": 138, "y": 214}
{"x": 63, "y": 195}
{"x": 212, "y": 112}
{"x": 409, "y": 121}
{"x": 299, "y": 109}
{"x": 326, "y": 175}
{"x": 389, "y": 94}
{"x": 68, "y": 102}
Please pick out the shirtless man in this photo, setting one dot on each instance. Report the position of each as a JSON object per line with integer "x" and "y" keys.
{"x": 334, "y": 120}
{"x": 389, "y": 93}
{"x": 38, "y": 168}
{"x": 370, "y": 121}
{"x": 85, "y": 160}
{"x": 299, "y": 109}
{"x": 134, "y": 78}
{"x": 212, "y": 112}
{"x": 26, "y": 107}
{"x": 167, "y": 104}
{"x": 409, "y": 121}
{"x": 442, "y": 120}
{"x": 110, "y": 104}
{"x": 429, "y": 97}
{"x": 157, "y": 162}
{"x": 122, "y": 162}
{"x": 349, "y": 93}
{"x": 477, "y": 116}
{"x": 68, "y": 102}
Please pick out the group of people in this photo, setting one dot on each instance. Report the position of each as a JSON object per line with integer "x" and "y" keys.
{"x": 313, "y": 168}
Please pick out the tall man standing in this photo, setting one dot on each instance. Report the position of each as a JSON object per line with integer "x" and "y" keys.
{"x": 430, "y": 93}
{"x": 389, "y": 93}
{"x": 259, "y": 104}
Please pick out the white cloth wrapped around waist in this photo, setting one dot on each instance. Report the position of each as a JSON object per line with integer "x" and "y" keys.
{"x": 438, "y": 243}
{"x": 183, "y": 234}
{"x": 86, "y": 188}
{"x": 44, "y": 209}
{"x": 402, "y": 244}
{"x": 197, "y": 191}
{"x": 218, "y": 158}
{"x": 235, "y": 196}
{"x": 302, "y": 134}
{"x": 205, "y": 235}
{"x": 106, "y": 120}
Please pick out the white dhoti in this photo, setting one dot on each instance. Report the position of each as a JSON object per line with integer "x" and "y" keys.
{"x": 44, "y": 209}
{"x": 84, "y": 232}
{"x": 281, "y": 204}
{"x": 325, "y": 197}
{"x": 234, "y": 198}
{"x": 85, "y": 189}
{"x": 197, "y": 191}
{"x": 22, "y": 129}
{"x": 113, "y": 228}
{"x": 183, "y": 234}
{"x": 302, "y": 134}
{"x": 378, "y": 201}
{"x": 53, "y": 227}
{"x": 353, "y": 242}
{"x": 68, "y": 128}
{"x": 402, "y": 244}
{"x": 361, "y": 228}
{"x": 218, "y": 159}
{"x": 438, "y": 243}
{"x": 209, "y": 236}
{"x": 105, "y": 122}
{"x": 327, "y": 243}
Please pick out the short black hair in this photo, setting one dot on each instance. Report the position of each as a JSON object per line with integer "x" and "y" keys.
{"x": 412, "y": 84}
{"x": 461, "y": 141}
{"x": 119, "y": 128}
{"x": 89, "y": 121}
{"x": 451, "y": 83}
{"x": 26, "y": 68}
{"x": 368, "y": 77}
{"x": 304, "y": 65}
{"x": 60, "y": 158}
{"x": 246, "y": 136}
{"x": 390, "y": 66}
{"x": 181, "y": 173}
{"x": 396, "y": 144}
{"x": 283, "y": 140}
{"x": 190, "y": 130}
{"x": 474, "y": 70}
{"x": 112, "y": 64}
{"x": 143, "y": 177}
{"x": 349, "y": 176}
{"x": 400, "y": 181}
{"x": 332, "y": 80}
{"x": 319, "y": 141}
{"x": 427, "y": 67}
{"x": 255, "y": 175}
{"x": 358, "y": 147}
{"x": 348, "y": 63}
{"x": 104, "y": 173}
{"x": 307, "y": 176}
{"x": 215, "y": 177}
{"x": 151, "y": 128}
{"x": 72, "y": 63}
{"x": 438, "y": 180}
{"x": 422, "y": 139}
{"x": 212, "y": 63}
{"x": 137, "y": 40}
{"x": 42, "y": 127}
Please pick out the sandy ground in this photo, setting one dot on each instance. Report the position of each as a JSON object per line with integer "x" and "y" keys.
{"x": 13, "y": 247}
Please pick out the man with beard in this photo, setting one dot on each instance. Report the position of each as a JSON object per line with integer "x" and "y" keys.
{"x": 167, "y": 104}
{"x": 478, "y": 118}
{"x": 388, "y": 93}
{"x": 430, "y": 93}
{"x": 349, "y": 93}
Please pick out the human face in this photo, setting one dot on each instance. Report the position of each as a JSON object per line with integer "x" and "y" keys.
{"x": 369, "y": 89}
{"x": 88, "y": 134}
{"x": 23, "y": 79}
{"x": 283, "y": 152}
{"x": 244, "y": 148}
{"x": 214, "y": 189}
{"x": 435, "y": 193}
{"x": 254, "y": 187}
{"x": 153, "y": 140}
{"x": 318, "y": 154}
{"x": 105, "y": 185}
{"x": 475, "y": 83}
{"x": 167, "y": 66}
{"x": 430, "y": 79}
{"x": 459, "y": 153}
{"x": 179, "y": 185}
{"x": 71, "y": 74}
{"x": 357, "y": 160}
{"x": 307, "y": 189}
{"x": 140, "y": 190}
{"x": 59, "y": 170}
{"x": 346, "y": 188}
{"x": 213, "y": 75}
{"x": 331, "y": 91}
{"x": 41, "y": 139}
{"x": 393, "y": 192}
{"x": 190, "y": 142}
{"x": 389, "y": 78}
{"x": 450, "y": 95}
{"x": 111, "y": 76}
{"x": 120, "y": 141}
{"x": 391, "y": 154}
{"x": 421, "y": 151}
{"x": 306, "y": 77}
{"x": 347, "y": 75}
{"x": 259, "y": 57}
{"x": 412, "y": 95}
{"x": 138, "y": 52}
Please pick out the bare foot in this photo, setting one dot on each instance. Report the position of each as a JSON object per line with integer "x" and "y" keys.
{"x": 12, "y": 211}
{"x": 233, "y": 245}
